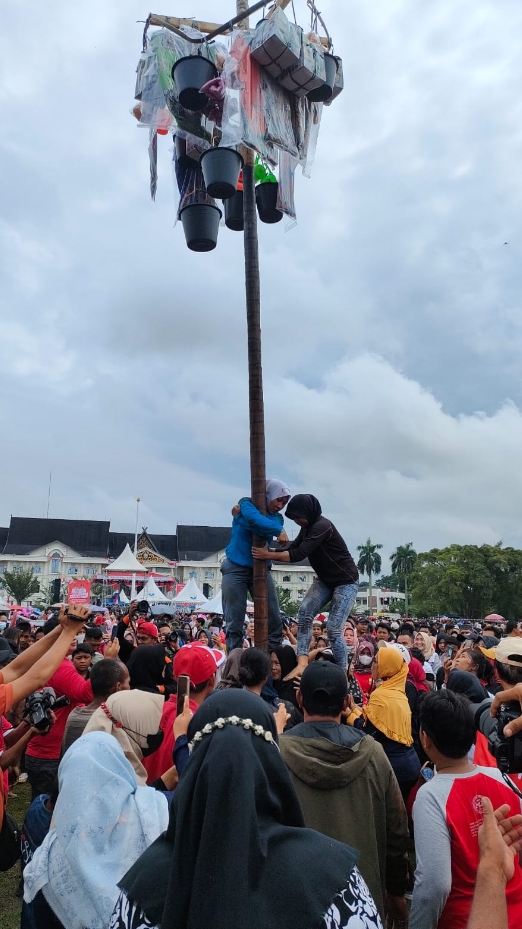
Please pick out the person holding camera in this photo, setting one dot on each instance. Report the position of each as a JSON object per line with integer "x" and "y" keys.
{"x": 32, "y": 668}
{"x": 42, "y": 755}
{"x": 498, "y": 721}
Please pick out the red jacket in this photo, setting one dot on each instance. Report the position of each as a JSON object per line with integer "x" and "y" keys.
{"x": 66, "y": 682}
{"x": 161, "y": 760}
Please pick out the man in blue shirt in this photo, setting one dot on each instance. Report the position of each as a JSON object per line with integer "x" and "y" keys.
{"x": 237, "y": 569}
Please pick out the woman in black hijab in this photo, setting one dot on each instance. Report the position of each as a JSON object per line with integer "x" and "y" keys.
{"x": 337, "y": 576}
{"x": 236, "y": 848}
{"x": 282, "y": 662}
{"x": 150, "y": 669}
{"x": 464, "y": 682}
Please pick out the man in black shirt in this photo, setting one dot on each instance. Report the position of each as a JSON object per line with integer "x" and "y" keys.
{"x": 337, "y": 575}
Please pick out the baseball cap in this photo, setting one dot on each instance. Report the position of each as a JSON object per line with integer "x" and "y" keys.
{"x": 324, "y": 682}
{"x": 197, "y": 661}
{"x": 402, "y": 649}
{"x": 147, "y": 628}
{"x": 509, "y": 651}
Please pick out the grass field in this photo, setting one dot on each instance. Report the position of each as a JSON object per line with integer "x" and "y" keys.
{"x": 10, "y": 904}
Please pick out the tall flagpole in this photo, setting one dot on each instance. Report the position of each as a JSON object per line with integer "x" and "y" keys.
{"x": 133, "y": 586}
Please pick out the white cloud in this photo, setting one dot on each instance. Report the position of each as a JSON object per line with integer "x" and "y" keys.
{"x": 391, "y": 313}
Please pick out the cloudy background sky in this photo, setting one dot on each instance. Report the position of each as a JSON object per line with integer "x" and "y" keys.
{"x": 391, "y": 312}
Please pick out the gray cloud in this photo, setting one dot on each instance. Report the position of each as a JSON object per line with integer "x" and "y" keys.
{"x": 391, "y": 313}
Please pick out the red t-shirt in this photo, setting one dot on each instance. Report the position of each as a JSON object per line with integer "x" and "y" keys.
{"x": 66, "y": 682}
{"x": 447, "y": 816}
{"x": 161, "y": 760}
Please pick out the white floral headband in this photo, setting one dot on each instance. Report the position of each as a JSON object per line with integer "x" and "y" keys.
{"x": 234, "y": 721}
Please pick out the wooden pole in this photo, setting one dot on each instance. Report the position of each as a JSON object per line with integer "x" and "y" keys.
{"x": 255, "y": 378}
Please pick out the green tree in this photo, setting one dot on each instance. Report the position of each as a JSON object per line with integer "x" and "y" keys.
{"x": 369, "y": 563}
{"x": 402, "y": 563}
{"x": 288, "y": 606}
{"x": 390, "y": 582}
{"x": 20, "y": 585}
{"x": 456, "y": 579}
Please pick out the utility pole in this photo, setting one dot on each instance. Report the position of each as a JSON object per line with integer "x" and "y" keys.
{"x": 255, "y": 375}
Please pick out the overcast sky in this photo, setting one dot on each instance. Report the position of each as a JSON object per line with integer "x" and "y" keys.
{"x": 391, "y": 312}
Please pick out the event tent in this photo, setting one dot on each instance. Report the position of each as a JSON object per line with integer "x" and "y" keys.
{"x": 216, "y": 605}
{"x": 190, "y": 594}
{"x": 152, "y": 593}
{"x": 125, "y": 562}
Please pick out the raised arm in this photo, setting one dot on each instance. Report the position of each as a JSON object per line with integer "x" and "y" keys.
{"x": 267, "y": 526}
{"x": 30, "y": 656}
{"x": 40, "y": 672}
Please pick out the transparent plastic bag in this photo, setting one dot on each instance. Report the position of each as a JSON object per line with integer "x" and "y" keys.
{"x": 244, "y": 120}
{"x": 278, "y": 108}
{"x": 276, "y": 43}
{"x": 310, "y": 115}
{"x": 190, "y": 185}
{"x": 285, "y": 190}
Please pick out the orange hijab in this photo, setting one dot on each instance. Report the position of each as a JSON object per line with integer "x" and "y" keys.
{"x": 388, "y": 709}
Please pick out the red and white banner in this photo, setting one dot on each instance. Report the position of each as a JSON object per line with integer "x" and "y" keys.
{"x": 79, "y": 592}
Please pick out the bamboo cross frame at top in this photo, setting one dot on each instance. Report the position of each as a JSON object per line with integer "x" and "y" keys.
{"x": 211, "y": 30}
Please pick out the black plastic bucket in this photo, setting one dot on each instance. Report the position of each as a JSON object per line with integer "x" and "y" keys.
{"x": 266, "y": 200}
{"x": 325, "y": 91}
{"x": 234, "y": 218}
{"x": 201, "y": 225}
{"x": 189, "y": 74}
{"x": 221, "y": 167}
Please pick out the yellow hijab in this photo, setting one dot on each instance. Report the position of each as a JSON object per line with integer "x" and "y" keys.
{"x": 388, "y": 709}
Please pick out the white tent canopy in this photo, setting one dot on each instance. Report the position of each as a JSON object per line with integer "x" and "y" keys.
{"x": 190, "y": 594}
{"x": 126, "y": 562}
{"x": 216, "y": 604}
{"x": 152, "y": 592}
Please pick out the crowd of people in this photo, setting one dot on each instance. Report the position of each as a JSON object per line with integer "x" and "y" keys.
{"x": 354, "y": 776}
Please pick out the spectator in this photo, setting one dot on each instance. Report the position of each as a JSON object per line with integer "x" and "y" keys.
{"x": 230, "y": 673}
{"x": 200, "y": 664}
{"x": 237, "y": 777}
{"x": 447, "y": 813}
{"x": 74, "y": 873}
{"x": 151, "y": 669}
{"x": 30, "y": 670}
{"x": 424, "y": 642}
{"x": 94, "y": 638}
{"x": 382, "y": 632}
{"x": 133, "y": 718}
{"x": 346, "y": 786}
{"x": 388, "y": 717}
{"x": 254, "y": 670}
{"x": 82, "y": 658}
{"x": 25, "y": 638}
{"x": 107, "y": 677}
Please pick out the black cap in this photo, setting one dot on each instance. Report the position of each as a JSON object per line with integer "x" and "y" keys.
{"x": 323, "y": 682}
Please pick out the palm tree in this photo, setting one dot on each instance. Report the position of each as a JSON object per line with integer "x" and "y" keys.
{"x": 21, "y": 585}
{"x": 369, "y": 563}
{"x": 402, "y": 563}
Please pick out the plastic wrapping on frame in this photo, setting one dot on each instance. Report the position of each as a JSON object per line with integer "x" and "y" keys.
{"x": 285, "y": 190}
{"x": 244, "y": 119}
{"x": 276, "y": 43}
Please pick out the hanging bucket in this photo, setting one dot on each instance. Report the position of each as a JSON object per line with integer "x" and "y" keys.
{"x": 266, "y": 200}
{"x": 221, "y": 167}
{"x": 189, "y": 74}
{"x": 325, "y": 91}
{"x": 234, "y": 218}
{"x": 201, "y": 225}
